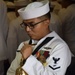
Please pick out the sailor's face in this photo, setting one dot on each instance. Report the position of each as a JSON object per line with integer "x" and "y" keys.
{"x": 36, "y": 28}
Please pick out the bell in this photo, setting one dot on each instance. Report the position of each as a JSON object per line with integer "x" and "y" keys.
{"x": 19, "y": 70}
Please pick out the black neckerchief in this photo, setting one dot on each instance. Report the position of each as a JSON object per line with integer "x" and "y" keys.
{"x": 43, "y": 43}
{"x": 30, "y": 41}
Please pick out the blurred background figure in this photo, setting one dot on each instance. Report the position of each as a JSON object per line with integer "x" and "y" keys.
{"x": 9, "y": 0}
{"x": 56, "y": 6}
{"x": 55, "y": 24}
{"x": 59, "y": 1}
{"x": 20, "y": 3}
{"x": 10, "y": 10}
{"x": 13, "y": 6}
{"x": 16, "y": 33}
{"x": 3, "y": 36}
{"x": 67, "y": 16}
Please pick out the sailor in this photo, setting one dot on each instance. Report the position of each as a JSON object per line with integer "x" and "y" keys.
{"x": 45, "y": 53}
{"x": 3, "y": 37}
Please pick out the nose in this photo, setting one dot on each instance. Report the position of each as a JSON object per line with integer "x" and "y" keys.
{"x": 28, "y": 29}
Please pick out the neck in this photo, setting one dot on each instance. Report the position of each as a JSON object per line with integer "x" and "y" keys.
{"x": 46, "y": 33}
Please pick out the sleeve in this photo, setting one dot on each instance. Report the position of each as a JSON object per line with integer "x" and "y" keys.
{"x": 15, "y": 64}
{"x": 58, "y": 61}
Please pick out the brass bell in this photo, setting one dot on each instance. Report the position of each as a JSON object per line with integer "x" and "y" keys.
{"x": 19, "y": 70}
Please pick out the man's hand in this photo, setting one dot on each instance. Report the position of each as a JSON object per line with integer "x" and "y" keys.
{"x": 26, "y": 51}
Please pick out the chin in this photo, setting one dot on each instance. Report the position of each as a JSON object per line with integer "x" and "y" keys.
{"x": 31, "y": 37}
{"x": 34, "y": 38}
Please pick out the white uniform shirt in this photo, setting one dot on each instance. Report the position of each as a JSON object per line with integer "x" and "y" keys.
{"x": 56, "y": 63}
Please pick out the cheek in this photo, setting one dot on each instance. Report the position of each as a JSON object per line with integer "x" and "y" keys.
{"x": 39, "y": 32}
{"x": 36, "y": 34}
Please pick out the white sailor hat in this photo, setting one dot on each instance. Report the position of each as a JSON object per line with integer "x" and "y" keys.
{"x": 34, "y": 10}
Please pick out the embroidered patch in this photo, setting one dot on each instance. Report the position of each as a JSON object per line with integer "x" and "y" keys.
{"x": 56, "y": 60}
{"x": 42, "y": 56}
{"x": 55, "y": 63}
{"x": 54, "y": 68}
{"x": 42, "y": 53}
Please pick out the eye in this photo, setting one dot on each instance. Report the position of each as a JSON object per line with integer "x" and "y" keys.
{"x": 32, "y": 25}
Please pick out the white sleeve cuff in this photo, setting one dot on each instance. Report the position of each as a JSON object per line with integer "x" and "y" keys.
{"x": 30, "y": 64}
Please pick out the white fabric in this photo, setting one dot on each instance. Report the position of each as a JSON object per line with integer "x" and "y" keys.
{"x": 10, "y": 4}
{"x": 3, "y": 31}
{"x": 16, "y": 35}
{"x": 58, "y": 49}
{"x": 32, "y": 66}
{"x": 68, "y": 23}
{"x": 34, "y": 10}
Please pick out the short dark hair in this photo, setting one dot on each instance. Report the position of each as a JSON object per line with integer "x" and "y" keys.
{"x": 46, "y": 16}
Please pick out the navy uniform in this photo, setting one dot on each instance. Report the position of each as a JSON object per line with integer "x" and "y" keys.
{"x": 57, "y": 61}
{"x": 50, "y": 55}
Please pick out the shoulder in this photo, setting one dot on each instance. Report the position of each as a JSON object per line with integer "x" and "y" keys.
{"x": 57, "y": 40}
